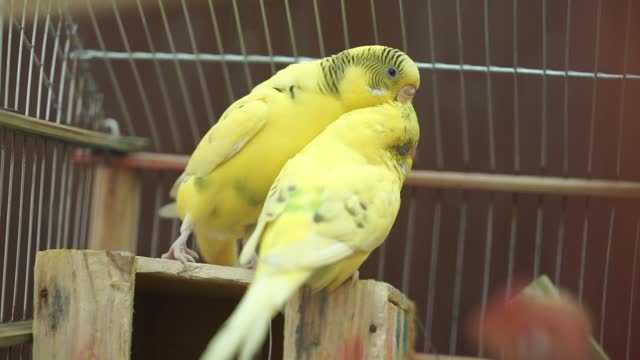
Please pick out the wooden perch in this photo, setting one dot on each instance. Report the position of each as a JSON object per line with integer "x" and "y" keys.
{"x": 113, "y": 305}
{"x": 71, "y": 134}
{"x": 524, "y": 184}
{"x": 83, "y": 305}
{"x": 363, "y": 320}
{"x": 422, "y": 178}
{"x": 115, "y": 209}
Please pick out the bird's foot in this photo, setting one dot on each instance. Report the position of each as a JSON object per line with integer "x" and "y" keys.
{"x": 179, "y": 250}
{"x": 181, "y": 253}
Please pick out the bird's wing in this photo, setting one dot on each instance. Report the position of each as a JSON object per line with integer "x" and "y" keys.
{"x": 351, "y": 210}
{"x": 237, "y": 126}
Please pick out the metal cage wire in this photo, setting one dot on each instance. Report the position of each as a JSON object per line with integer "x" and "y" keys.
{"x": 539, "y": 88}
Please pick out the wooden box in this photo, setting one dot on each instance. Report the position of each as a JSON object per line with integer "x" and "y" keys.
{"x": 94, "y": 304}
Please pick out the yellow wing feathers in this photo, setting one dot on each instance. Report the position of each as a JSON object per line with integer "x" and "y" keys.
{"x": 235, "y": 128}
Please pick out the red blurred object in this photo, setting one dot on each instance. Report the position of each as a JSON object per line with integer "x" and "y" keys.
{"x": 526, "y": 328}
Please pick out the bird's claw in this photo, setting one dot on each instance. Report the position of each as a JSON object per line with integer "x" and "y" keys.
{"x": 181, "y": 253}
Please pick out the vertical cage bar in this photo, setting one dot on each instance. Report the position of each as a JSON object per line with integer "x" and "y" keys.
{"x": 72, "y": 92}
{"x": 492, "y": 166}
{"x": 565, "y": 143}
{"x": 63, "y": 72}
{"x": 375, "y": 21}
{"x": 487, "y": 269}
{"x": 22, "y": 36}
{"x": 345, "y": 28}
{"x": 292, "y": 37}
{"x": 537, "y": 253}
{"x": 592, "y": 122}
{"x": 54, "y": 58}
{"x": 184, "y": 91}
{"x": 201, "y": 77}
{"x": 513, "y": 232}
{"x": 45, "y": 38}
{"x": 166, "y": 100}
{"x": 513, "y": 225}
{"x": 403, "y": 27}
{"x": 2, "y": 9}
{"x": 7, "y": 225}
{"x": 86, "y": 209}
{"x": 267, "y": 35}
{"x": 70, "y": 190}
{"x": 316, "y": 13}
{"x": 9, "y": 48}
{"x": 408, "y": 242}
{"x": 3, "y": 150}
{"x": 459, "y": 264}
{"x": 113, "y": 79}
{"x": 243, "y": 48}
{"x": 146, "y": 106}
{"x": 583, "y": 249}
{"x": 433, "y": 269}
{"x": 612, "y": 216}
{"x": 516, "y": 97}
{"x": 621, "y": 109}
{"x": 594, "y": 93}
{"x": 225, "y": 68}
{"x": 80, "y": 194}
{"x": 632, "y": 293}
{"x": 54, "y": 164}
{"x": 32, "y": 191}
{"x": 39, "y": 221}
{"x": 62, "y": 192}
{"x": 157, "y": 204}
{"x": 457, "y": 287}
{"x": 436, "y": 99}
{"x": 435, "y": 235}
{"x": 463, "y": 95}
{"x": 18, "y": 238}
{"x": 560, "y": 240}
{"x": 32, "y": 51}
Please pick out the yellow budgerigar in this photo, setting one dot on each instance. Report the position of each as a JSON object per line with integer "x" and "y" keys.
{"x": 328, "y": 209}
{"x": 221, "y": 192}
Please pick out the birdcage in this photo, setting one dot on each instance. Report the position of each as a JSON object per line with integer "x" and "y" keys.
{"x": 525, "y": 164}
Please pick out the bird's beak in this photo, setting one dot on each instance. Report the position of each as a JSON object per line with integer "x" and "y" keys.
{"x": 406, "y": 94}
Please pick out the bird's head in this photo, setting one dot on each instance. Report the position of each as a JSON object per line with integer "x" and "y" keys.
{"x": 370, "y": 75}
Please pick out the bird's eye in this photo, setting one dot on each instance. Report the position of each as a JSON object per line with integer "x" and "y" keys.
{"x": 392, "y": 72}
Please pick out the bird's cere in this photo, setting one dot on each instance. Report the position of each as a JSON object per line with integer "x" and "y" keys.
{"x": 406, "y": 94}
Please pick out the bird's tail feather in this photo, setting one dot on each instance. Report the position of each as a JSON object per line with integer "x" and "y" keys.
{"x": 245, "y": 330}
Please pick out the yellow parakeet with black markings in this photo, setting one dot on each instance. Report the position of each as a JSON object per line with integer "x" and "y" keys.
{"x": 221, "y": 192}
{"x": 329, "y": 208}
